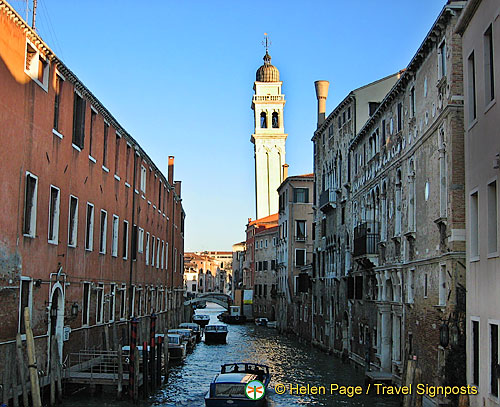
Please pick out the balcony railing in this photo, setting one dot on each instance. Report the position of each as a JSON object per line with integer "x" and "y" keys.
{"x": 328, "y": 200}
{"x": 270, "y": 98}
{"x": 366, "y": 239}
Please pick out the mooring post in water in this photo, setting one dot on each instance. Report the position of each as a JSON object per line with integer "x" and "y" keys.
{"x": 52, "y": 372}
{"x": 21, "y": 370}
{"x": 131, "y": 367}
{"x": 145, "y": 370}
{"x": 30, "y": 341}
{"x": 165, "y": 358}
{"x": 158, "y": 361}
{"x": 152, "y": 353}
{"x": 6, "y": 380}
{"x": 120, "y": 372}
{"x": 136, "y": 375}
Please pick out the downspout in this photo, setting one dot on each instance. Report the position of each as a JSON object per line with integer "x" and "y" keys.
{"x": 172, "y": 250}
{"x": 134, "y": 181}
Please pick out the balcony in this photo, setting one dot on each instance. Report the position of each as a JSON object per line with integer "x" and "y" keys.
{"x": 328, "y": 200}
{"x": 268, "y": 98}
{"x": 366, "y": 240}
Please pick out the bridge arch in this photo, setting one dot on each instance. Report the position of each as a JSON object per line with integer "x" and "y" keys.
{"x": 223, "y": 300}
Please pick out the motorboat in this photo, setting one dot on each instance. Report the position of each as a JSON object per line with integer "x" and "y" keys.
{"x": 194, "y": 327}
{"x": 234, "y": 316}
{"x": 176, "y": 348}
{"x": 239, "y": 384}
{"x": 272, "y": 324}
{"x": 261, "y": 321}
{"x": 215, "y": 333}
{"x": 201, "y": 320}
{"x": 187, "y": 335}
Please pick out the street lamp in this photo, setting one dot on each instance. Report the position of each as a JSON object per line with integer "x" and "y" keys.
{"x": 74, "y": 309}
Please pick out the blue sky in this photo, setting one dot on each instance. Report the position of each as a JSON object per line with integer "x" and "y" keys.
{"x": 178, "y": 75}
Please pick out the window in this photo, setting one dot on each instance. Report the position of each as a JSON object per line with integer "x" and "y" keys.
{"x": 340, "y": 121}
{"x": 114, "y": 237}
{"x": 89, "y": 230}
{"x": 494, "y": 359}
{"x": 112, "y": 293}
{"x": 140, "y": 241}
{"x": 57, "y": 100}
{"x": 100, "y": 304}
{"x": 25, "y": 300}
{"x": 162, "y": 254}
{"x": 143, "y": 179}
{"x": 301, "y": 195}
{"x": 471, "y": 87}
{"x": 442, "y": 60}
{"x": 54, "y": 214}
{"x": 157, "y": 252}
{"x": 489, "y": 69}
{"x": 442, "y": 285}
{"x": 117, "y": 153}
{"x": 93, "y": 116}
{"x": 263, "y": 120}
{"x": 30, "y": 200}
{"x": 72, "y": 221}
{"x": 125, "y": 240}
{"x": 426, "y": 284}
{"x": 86, "y": 304}
{"x": 475, "y": 352}
{"x": 147, "y": 249}
{"x": 474, "y": 225}
{"x": 358, "y": 280}
{"x": 492, "y": 218}
{"x": 153, "y": 251}
{"x": 127, "y": 163}
{"x": 36, "y": 66}
{"x": 349, "y": 113}
{"x": 300, "y": 229}
{"x": 413, "y": 105}
{"x": 399, "y": 116}
{"x": 275, "y": 121}
{"x": 135, "y": 237}
{"x": 122, "y": 297}
{"x": 78, "y": 121}
{"x": 166, "y": 255}
{"x": 104, "y": 228}
{"x": 300, "y": 257}
{"x": 105, "y": 145}
{"x": 159, "y": 195}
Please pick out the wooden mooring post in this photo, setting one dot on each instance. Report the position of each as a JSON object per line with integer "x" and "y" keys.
{"x": 120, "y": 372}
{"x": 52, "y": 372}
{"x": 152, "y": 353}
{"x": 6, "y": 380}
{"x": 158, "y": 361}
{"x": 30, "y": 341}
{"x": 136, "y": 375}
{"x": 145, "y": 370}
{"x": 21, "y": 370}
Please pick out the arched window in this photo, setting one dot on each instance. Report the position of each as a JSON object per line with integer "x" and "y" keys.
{"x": 263, "y": 120}
{"x": 275, "y": 121}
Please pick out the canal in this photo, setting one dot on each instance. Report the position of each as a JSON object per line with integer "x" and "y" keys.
{"x": 291, "y": 363}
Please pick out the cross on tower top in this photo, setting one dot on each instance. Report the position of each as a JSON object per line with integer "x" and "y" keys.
{"x": 266, "y": 42}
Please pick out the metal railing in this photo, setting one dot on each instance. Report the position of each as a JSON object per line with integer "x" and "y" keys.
{"x": 95, "y": 363}
{"x": 328, "y": 198}
{"x": 261, "y": 98}
{"x": 366, "y": 239}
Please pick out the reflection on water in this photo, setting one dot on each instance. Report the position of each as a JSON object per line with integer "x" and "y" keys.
{"x": 290, "y": 362}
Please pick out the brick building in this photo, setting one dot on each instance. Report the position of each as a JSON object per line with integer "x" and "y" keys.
{"x": 92, "y": 230}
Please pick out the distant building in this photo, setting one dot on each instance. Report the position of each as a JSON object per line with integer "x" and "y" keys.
{"x": 295, "y": 254}
{"x": 205, "y": 268}
{"x": 239, "y": 252}
{"x": 265, "y": 285}
{"x": 479, "y": 26}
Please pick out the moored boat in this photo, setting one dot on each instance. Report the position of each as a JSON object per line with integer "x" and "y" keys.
{"x": 194, "y": 327}
{"x": 234, "y": 316}
{"x": 215, "y": 333}
{"x": 176, "y": 348}
{"x": 187, "y": 335}
{"x": 261, "y": 321}
{"x": 229, "y": 387}
{"x": 201, "y": 320}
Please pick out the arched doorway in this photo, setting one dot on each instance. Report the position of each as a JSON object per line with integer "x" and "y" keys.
{"x": 56, "y": 316}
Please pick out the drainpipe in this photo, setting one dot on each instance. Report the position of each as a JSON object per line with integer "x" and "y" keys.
{"x": 134, "y": 184}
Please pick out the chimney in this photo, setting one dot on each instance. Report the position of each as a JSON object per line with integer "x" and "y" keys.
{"x": 285, "y": 171}
{"x": 171, "y": 170}
{"x": 321, "y": 95}
{"x": 177, "y": 186}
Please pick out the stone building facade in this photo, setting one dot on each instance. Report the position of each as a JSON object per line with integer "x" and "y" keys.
{"x": 400, "y": 237}
{"x": 479, "y": 26}
{"x": 265, "y": 287}
{"x": 295, "y": 249}
{"x": 92, "y": 230}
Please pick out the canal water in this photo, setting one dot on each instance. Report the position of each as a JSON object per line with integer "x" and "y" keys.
{"x": 291, "y": 364}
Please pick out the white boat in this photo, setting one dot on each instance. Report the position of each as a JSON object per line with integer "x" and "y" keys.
{"x": 215, "y": 333}
{"x": 176, "y": 348}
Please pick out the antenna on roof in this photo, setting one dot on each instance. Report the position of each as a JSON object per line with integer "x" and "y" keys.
{"x": 34, "y": 15}
{"x": 266, "y": 42}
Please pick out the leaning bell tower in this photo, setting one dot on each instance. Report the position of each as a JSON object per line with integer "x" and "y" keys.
{"x": 269, "y": 136}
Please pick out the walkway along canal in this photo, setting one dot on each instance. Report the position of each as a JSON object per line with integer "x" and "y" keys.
{"x": 291, "y": 363}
